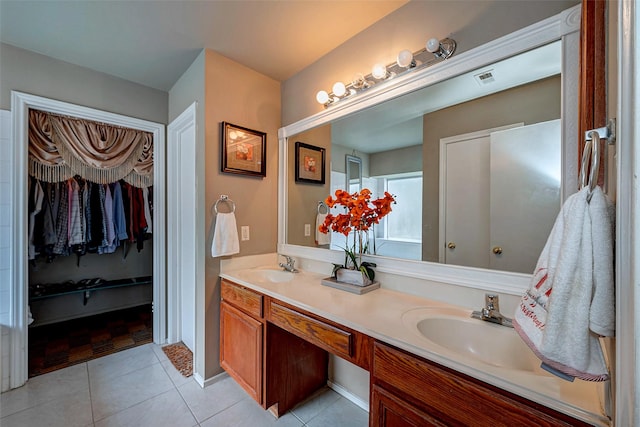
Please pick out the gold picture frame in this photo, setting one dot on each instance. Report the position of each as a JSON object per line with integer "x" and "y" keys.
{"x": 243, "y": 150}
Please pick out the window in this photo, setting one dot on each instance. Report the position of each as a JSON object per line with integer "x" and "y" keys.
{"x": 405, "y": 221}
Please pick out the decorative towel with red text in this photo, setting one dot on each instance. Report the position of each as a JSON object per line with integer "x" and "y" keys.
{"x": 571, "y": 301}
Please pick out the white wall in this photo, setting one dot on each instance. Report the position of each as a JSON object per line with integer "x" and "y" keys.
{"x": 5, "y": 237}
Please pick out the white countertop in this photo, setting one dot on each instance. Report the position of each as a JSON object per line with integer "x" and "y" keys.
{"x": 379, "y": 314}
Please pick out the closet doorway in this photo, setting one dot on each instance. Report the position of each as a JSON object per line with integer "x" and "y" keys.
{"x": 19, "y": 296}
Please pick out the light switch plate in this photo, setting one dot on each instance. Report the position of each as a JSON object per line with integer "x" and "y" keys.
{"x": 307, "y": 230}
{"x": 244, "y": 231}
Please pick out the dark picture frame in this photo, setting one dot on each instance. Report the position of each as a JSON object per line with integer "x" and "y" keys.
{"x": 309, "y": 161}
{"x": 244, "y": 150}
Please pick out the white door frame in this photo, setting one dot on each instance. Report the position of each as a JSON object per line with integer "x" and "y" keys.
{"x": 627, "y": 410}
{"x": 19, "y": 298}
{"x": 183, "y": 123}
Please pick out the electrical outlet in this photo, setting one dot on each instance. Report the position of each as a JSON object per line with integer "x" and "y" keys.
{"x": 244, "y": 230}
{"x": 307, "y": 229}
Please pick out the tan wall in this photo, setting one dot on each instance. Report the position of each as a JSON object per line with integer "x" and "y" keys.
{"x": 36, "y": 74}
{"x": 470, "y": 23}
{"x": 401, "y": 160}
{"x": 303, "y": 197}
{"x": 190, "y": 88}
{"x": 239, "y": 95}
{"x": 504, "y": 108}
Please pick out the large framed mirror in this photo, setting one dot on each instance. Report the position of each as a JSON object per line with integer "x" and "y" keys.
{"x": 446, "y": 141}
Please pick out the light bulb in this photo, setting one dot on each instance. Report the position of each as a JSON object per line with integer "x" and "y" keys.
{"x": 379, "y": 71}
{"x": 433, "y": 45}
{"x": 339, "y": 89}
{"x": 405, "y": 58}
{"x": 322, "y": 97}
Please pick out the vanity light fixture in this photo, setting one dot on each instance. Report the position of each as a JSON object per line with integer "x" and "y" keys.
{"x": 434, "y": 51}
{"x": 441, "y": 48}
{"x": 405, "y": 59}
{"x": 339, "y": 89}
{"x": 379, "y": 71}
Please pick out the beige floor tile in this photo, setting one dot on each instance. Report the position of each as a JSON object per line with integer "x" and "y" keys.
{"x": 166, "y": 409}
{"x": 247, "y": 413}
{"x": 112, "y": 395}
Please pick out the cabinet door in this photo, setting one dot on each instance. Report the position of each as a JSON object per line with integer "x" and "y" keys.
{"x": 241, "y": 349}
{"x": 388, "y": 410}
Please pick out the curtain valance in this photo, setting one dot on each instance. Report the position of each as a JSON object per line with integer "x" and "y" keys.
{"x": 61, "y": 147}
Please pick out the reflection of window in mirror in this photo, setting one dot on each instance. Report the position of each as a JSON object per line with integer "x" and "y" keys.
{"x": 401, "y": 231}
{"x": 353, "y": 167}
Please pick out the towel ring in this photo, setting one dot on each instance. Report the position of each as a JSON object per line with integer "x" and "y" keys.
{"x": 591, "y": 152}
{"x": 323, "y": 205}
{"x": 224, "y": 198}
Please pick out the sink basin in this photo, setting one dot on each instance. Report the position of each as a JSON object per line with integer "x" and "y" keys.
{"x": 455, "y": 331}
{"x": 271, "y": 274}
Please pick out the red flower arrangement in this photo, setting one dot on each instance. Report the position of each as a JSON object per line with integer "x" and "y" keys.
{"x": 361, "y": 214}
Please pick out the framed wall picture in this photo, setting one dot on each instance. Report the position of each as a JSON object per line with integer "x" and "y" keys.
{"x": 243, "y": 150}
{"x": 309, "y": 163}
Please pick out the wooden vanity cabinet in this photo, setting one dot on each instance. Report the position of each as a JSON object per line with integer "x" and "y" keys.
{"x": 275, "y": 367}
{"x": 407, "y": 390}
{"x": 242, "y": 337}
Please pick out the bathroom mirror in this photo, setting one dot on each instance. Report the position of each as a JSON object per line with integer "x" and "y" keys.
{"x": 408, "y": 127}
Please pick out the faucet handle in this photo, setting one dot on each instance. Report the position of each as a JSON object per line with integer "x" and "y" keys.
{"x": 290, "y": 260}
{"x": 492, "y": 302}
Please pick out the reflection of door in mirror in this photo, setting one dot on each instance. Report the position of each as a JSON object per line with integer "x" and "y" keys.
{"x": 501, "y": 194}
{"x": 353, "y": 168}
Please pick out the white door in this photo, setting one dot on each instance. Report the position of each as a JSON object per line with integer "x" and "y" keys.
{"x": 466, "y": 207}
{"x": 464, "y": 198}
{"x": 181, "y": 225}
{"x": 526, "y": 170}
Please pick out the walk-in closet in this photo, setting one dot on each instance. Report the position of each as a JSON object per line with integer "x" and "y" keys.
{"x": 90, "y": 246}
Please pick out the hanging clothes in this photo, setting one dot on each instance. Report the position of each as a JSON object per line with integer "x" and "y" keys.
{"x": 35, "y": 205}
{"x": 60, "y": 247}
{"x": 119, "y": 215}
{"x": 110, "y": 244}
{"x": 78, "y": 216}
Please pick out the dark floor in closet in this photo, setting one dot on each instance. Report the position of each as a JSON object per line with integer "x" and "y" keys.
{"x": 63, "y": 344}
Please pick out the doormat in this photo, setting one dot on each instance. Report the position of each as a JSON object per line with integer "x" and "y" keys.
{"x": 181, "y": 357}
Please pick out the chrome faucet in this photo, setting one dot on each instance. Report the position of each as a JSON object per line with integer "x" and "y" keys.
{"x": 491, "y": 312}
{"x": 289, "y": 265}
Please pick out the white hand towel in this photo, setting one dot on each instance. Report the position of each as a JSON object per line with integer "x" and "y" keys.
{"x": 225, "y": 236}
{"x": 321, "y": 238}
{"x": 570, "y": 300}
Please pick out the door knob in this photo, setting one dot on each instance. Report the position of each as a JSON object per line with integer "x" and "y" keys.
{"x": 451, "y": 245}
{"x": 497, "y": 250}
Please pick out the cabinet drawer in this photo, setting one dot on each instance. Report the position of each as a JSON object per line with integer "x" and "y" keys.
{"x": 322, "y": 334}
{"x": 455, "y": 398}
{"x": 241, "y": 297}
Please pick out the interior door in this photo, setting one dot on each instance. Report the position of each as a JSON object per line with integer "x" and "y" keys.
{"x": 464, "y": 198}
{"x": 525, "y": 179}
{"x": 181, "y": 220}
{"x": 467, "y": 205}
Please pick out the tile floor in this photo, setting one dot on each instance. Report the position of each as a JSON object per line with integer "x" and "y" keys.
{"x": 140, "y": 387}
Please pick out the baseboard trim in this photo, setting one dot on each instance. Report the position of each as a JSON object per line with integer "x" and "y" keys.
{"x": 209, "y": 381}
{"x": 348, "y": 395}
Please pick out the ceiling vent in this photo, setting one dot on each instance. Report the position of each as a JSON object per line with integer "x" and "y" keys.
{"x": 484, "y": 77}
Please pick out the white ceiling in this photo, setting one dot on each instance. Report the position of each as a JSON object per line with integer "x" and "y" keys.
{"x": 152, "y": 42}
{"x": 398, "y": 123}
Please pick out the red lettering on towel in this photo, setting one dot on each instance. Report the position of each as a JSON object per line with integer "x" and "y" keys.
{"x": 543, "y": 279}
{"x": 531, "y": 315}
